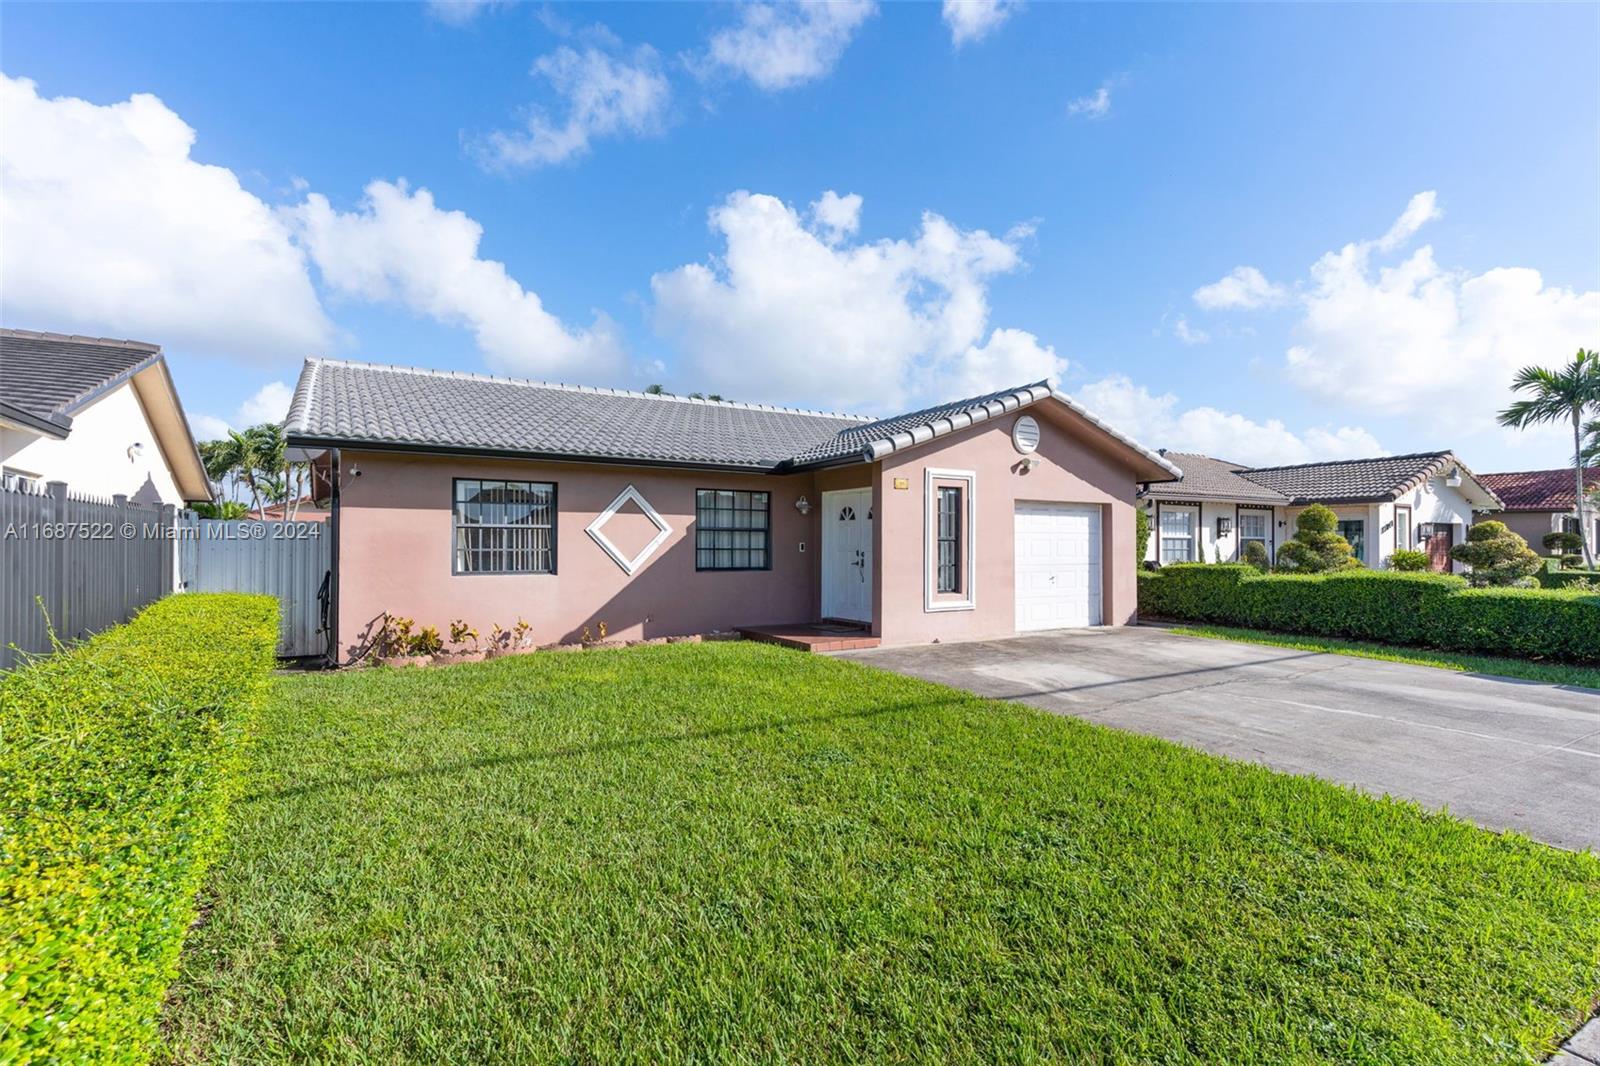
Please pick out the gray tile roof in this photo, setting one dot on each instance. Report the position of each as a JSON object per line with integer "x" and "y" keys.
{"x": 353, "y": 404}
{"x": 1341, "y": 481}
{"x": 364, "y": 403}
{"x": 44, "y": 377}
{"x": 1351, "y": 480}
{"x": 1205, "y": 478}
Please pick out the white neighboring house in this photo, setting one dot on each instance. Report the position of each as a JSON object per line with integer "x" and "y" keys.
{"x": 101, "y": 415}
{"x": 1423, "y": 501}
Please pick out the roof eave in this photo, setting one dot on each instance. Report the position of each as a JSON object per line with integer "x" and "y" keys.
{"x": 875, "y": 450}
{"x": 56, "y": 426}
{"x": 311, "y": 440}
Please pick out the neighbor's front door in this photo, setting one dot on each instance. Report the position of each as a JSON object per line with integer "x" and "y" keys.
{"x": 847, "y": 555}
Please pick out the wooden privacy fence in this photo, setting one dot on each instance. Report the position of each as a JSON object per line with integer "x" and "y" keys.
{"x": 88, "y": 563}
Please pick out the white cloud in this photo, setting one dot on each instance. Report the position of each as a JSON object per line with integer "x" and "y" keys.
{"x": 459, "y": 12}
{"x": 399, "y": 247}
{"x": 787, "y": 312}
{"x": 973, "y": 20}
{"x": 1422, "y": 209}
{"x": 1157, "y": 422}
{"x": 1096, "y": 105}
{"x": 781, "y": 45}
{"x": 270, "y": 403}
{"x": 208, "y": 427}
{"x": 1245, "y": 289}
{"x": 1189, "y": 334}
{"x": 837, "y": 216}
{"x": 1011, "y": 357}
{"x": 1413, "y": 337}
{"x": 112, "y": 227}
{"x": 604, "y": 96}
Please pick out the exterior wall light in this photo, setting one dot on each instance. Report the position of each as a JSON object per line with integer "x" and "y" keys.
{"x": 803, "y": 505}
{"x": 1224, "y": 526}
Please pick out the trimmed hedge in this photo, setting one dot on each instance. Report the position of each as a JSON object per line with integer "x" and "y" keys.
{"x": 1556, "y": 579}
{"x": 118, "y": 760}
{"x": 1433, "y": 610}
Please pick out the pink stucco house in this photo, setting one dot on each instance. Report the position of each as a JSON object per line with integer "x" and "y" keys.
{"x": 488, "y": 499}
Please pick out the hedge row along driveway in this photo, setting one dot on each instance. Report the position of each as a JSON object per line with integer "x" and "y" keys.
{"x": 118, "y": 759}
{"x": 1429, "y": 610}
{"x": 735, "y": 853}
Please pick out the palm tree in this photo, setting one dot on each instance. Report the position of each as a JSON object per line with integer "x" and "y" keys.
{"x": 1569, "y": 392}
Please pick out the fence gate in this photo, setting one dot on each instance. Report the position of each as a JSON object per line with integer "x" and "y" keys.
{"x": 289, "y": 560}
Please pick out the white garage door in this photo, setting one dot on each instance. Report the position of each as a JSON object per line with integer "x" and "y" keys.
{"x": 1058, "y": 565}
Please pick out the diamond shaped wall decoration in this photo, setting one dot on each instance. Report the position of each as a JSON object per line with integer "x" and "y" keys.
{"x": 595, "y": 529}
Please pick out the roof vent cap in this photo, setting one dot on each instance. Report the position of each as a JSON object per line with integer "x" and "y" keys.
{"x": 1025, "y": 434}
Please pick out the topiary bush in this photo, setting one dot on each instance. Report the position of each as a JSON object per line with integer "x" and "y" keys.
{"x": 118, "y": 760}
{"x": 1408, "y": 560}
{"x": 1316, "y": 547}
{"x": 1255, "y": 554}
{"x": 1497, "y": 556}
{"x": 1562, "y": 543}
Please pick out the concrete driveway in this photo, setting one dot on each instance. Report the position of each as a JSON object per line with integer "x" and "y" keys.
{"x": 1506, "y": 754}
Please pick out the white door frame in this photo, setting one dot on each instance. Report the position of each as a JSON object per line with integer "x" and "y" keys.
{"x": 835, "y": 569}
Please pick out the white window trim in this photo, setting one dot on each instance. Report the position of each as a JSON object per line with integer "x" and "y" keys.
{"x": 969, "y": 554}
{"x": 594, "y": 530}
{"x": 1196, "y": 545}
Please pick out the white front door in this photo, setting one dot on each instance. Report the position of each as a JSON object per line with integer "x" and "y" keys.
{"x": 847, "y": 554}
{"x": 1058, "y": 565}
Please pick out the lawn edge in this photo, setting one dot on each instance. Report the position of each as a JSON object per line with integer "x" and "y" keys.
{"x": 1461, "y": 663}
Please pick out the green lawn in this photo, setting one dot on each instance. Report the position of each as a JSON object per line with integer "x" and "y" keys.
{"x": 732, "y": 852}
{"x": 1526, "y": 669}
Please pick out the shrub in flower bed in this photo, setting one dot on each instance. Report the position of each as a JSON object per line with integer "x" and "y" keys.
{"x": 118, "y": 760}
{"x": 1434, "y": 610}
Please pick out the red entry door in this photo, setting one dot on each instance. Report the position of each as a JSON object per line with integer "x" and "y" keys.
{"x": 1437, "y": 539}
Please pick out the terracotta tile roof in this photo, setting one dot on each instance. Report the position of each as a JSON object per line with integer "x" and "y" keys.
{"x": 1538, "y": 490}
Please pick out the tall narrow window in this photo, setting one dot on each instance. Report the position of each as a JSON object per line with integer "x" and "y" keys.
{"x": 731, "y": 530}
{"x": 949, "y": 539}
{"x": 504, "y": 527}
{"x": 1402, "y": 528}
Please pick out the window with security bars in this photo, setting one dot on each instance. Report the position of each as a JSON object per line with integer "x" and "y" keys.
{"x": 949, "y": 539}
{"x": 732, "y": 530}
{"x": 505, "y": 527}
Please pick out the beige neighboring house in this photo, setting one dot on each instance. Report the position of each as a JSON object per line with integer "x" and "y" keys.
{"x": 1540, "y": 502}
{"x": 101, "y": 415}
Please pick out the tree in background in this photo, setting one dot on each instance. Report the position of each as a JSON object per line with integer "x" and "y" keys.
{"x": 1496, "y": 555}
{"x": 1316, "y": 547}
{"x": 255, "y": 462}
{"x": 1141, "y": 534}
{"x": 1565, "y": 394}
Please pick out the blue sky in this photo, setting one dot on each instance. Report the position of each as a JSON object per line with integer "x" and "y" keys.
{"x": 1273, "y": 233}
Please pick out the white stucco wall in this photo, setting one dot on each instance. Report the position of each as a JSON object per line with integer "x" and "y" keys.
{"x": 1213, "y": 547}
{"x": 93, "y": 459}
